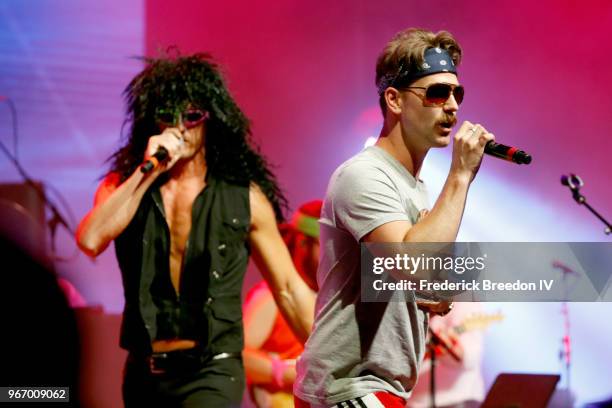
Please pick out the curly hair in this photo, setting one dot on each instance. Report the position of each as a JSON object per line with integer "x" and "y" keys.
{"x": 172, "y": 84}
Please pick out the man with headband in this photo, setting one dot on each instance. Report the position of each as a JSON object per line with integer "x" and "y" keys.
{"x": 187, "y": 198}
{"x": 368, "y": 354}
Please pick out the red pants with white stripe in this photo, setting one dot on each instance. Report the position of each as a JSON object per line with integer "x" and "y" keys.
{"x": 373, "y": 400}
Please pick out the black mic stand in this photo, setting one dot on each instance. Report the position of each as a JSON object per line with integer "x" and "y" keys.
{"x": 574, "y": 183}
{"x": 436, "y": 340}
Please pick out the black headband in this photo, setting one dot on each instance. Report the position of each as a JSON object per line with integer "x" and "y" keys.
{"x": 436, "y": 60}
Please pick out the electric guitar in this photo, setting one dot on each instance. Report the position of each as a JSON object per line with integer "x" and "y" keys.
{"x": 476, "y": 321}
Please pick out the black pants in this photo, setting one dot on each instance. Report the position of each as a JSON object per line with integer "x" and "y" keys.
{"x": 219, "y": 384}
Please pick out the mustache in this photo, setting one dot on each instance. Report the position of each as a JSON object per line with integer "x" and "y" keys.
{"x": 448, "y": 120}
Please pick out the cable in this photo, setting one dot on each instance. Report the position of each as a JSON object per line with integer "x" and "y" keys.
{"x": 13, "y": 110}
{"x": 57, "y": 217}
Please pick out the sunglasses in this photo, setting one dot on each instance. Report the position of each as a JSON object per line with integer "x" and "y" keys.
{"x": 437, "y": 94}
{"x": 190, "y": 118}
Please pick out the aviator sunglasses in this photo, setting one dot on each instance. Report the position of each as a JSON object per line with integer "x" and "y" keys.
{"x": 437, "y": 94}
{"x": 190, "y": 118}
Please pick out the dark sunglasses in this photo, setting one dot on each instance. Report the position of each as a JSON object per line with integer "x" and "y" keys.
{"x": 190, "y": 118}
{"x": 437, "y": 94}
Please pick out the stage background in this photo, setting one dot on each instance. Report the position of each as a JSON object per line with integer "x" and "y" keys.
{"x": 536, "y": 75}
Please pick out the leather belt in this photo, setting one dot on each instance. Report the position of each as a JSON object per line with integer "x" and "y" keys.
{"x": 182, "y": 361}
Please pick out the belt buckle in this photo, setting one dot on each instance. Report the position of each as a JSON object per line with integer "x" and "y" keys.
{"x": 153, "y": 369}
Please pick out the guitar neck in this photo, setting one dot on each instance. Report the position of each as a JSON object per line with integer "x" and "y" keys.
{"x": 476, "y": 322}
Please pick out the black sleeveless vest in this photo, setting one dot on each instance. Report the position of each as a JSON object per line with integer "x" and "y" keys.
{"x": 208, "y": 308}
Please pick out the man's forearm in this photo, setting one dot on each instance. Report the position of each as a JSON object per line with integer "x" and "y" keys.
{"x": 108, "y": 219}
{"x": 442, "y": 222}
{"x": 296, "y": 303}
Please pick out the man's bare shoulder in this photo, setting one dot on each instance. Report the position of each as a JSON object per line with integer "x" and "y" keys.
{"x": 262, "y": 211}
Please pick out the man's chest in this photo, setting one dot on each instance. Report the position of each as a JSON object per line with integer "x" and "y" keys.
{"x": 178, "y": 203}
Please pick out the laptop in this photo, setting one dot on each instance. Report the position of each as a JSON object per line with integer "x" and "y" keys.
{"x": 521, "y": 391}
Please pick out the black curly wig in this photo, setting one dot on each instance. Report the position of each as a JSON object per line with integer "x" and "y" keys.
{"x": 170, "y": 84}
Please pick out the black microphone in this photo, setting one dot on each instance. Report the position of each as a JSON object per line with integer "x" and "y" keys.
{"x": 509, "y": 153}
{"x": 160, "y": 155}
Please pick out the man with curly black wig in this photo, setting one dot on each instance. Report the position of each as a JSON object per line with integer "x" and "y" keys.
{"x": 187, "y": 198}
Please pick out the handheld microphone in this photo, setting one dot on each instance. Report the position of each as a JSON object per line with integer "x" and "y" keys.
{"x": 160, "y": 155}
{"x": 509, "y": 153}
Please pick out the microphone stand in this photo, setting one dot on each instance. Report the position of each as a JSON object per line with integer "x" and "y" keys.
{"x": 565, "y": 352}
{"x": 574, "y": 183}
{"x": 566, "y": 346}
{"x": 436, "y": 340}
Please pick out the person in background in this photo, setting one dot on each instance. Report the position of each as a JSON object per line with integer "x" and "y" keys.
{"x": 271, "y": 349}
{"x": 459, "y": 340}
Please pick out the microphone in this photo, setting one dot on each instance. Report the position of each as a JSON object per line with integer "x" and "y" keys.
{"x": 160, "y": 155}
{"x": 509, "y": 153}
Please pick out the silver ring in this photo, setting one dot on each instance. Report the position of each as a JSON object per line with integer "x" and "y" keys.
{"x": 473, "y": 130}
